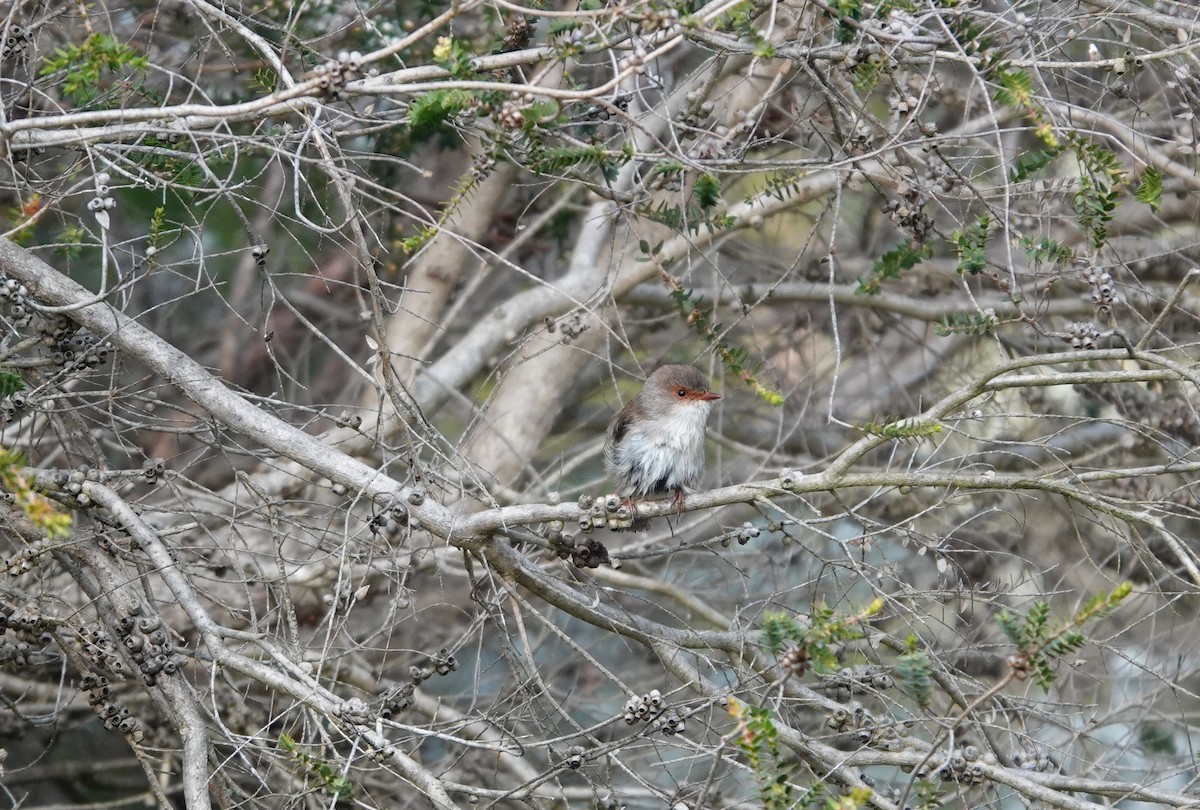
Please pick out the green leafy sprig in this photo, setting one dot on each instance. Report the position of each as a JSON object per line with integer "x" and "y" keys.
{"x": 1040, "y": 645}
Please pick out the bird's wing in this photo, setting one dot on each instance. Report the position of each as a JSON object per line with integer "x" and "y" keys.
{"x": 618, "y": 427}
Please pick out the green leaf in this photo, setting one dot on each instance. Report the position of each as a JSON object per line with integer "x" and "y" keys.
{"x": 1011, "y": 625}
{"x": 540, "y": 112}
{"x": 899, "y": 428}
{"x": 428, "y": 112}
{"x": 779, "y": 628}
{"x": 707, "y": 190}
{"x": 557, "y": 160}
{"x": 971, "y": 243}
{"x": 965, "y": 323}
{"x": 891, "y": 264}
{"x": 914, "y": 672}
{"x": 1149, "y": 190}
{"x": 1031, "y": 162}
{"x": 10, "y": 383}
{"x": 1037, "y": 621}
{"x": 1016, "y": 88}
{"x": 1042, "y": 672}
{"x": 1046, "y": 250}
{"x": 83, "y": 64}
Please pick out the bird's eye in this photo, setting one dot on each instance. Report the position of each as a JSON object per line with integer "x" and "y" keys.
{"x": 682, "y": 392}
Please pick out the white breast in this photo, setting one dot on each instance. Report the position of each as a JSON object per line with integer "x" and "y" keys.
{"x": 664, "y": 454}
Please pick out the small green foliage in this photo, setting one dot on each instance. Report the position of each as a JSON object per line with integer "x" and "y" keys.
{"x": 10, "y": 383}
{"x": 71, "y": 241}
{"x": 971, "y": 244}
{"x": 1036, "y": 619}
{"x": 739, "y": 18}
{"x": 1149, "y": 190}
{"x": 1016, "y": 88}
{"x": 1103, "y": 604}
{"x": 266, "y": 80}
{"x": 412, "y": 244}
{"x": 782, "y": 631}
{"x": 966, "y": 323}
{"x": 856, "y": 799}
{"x": 899, "y": 428}
{"x": 690, "y": 218}
{"x": 914, "y": 672}
{"x": 562, "y": 25}
{"x": 179, "y": 170}
{"x": 37, "y": 507}
{"x": 648, "y": 252}
{"x": 929, "y": 794}
{"x": 758, "y": 739}
{"x": 701, "y": 319}
{"x": 866, "y": 76}
{"x": 452, "y": 55}
{"x": 975, "y": 40}
{"x": 429, "y": 112}
{"x": 328, "y": 779}
{"x": 1096, "y": 200}
{"x": 670, "y": 215}
{"x": 843, "y": 10}
{"x": 154, "y": 236}
{"x": 778, "y": 628}
{"x": 1030, "y": 163}
{"x": 83, "y": 65}
{"x": 707, "y": 190}
{"x": 666, "y": 168}
{"x": 779, "y": 186}
{"x": 764, "y": 49}
{"x": 1010, "y": 625}
{"x": 539, "y": 112}
{"x": 1039, "y": 644}
{"x": 1094, "y": 204}
{"x": 1045, "y": 250}
{"x": 892, "y": 264}
{"x": 557, "y": 160}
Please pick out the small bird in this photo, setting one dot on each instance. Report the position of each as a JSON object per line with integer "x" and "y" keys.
{"x": 655, "y": 444}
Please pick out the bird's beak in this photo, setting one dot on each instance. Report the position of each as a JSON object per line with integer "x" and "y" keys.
{"x": 708, "y": 396}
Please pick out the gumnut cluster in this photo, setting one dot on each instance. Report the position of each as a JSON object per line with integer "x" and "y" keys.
{"x": 97, "y": 648}
{"x": 145, "y": 637}
{"x": 583, "y": 552}
{"x": 15, "y": 40}
{"x": 613, "y": 512}
{"x": 14, "y": 296}
{"x": 743, "y": 534}
{"x": 442, "y": 664}
{"x": 1082, "y": 335}
{"x": 69, "y": 346}
{"x": 1104, "y": 292}
{"x": 333, "y": 76}
{"x": 651, "y": 708}
{"x": 29, "y": 632}
{"x": 850, "y": 681}
{"x": 867, "y": 730}
{"x": 963, "y": 766}
{"x": 115, "y": 715}
{"x": 22, "y": 561}
{"x": 395, "y": 699}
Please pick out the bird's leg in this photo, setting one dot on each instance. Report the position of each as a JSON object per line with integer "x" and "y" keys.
{"x": 628, "y": 509}
{"x": 677, "y": 499}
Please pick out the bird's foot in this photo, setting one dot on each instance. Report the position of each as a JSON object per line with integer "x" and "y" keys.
{"x": 677, "y": 500}
{"x": 628, "y": 508}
